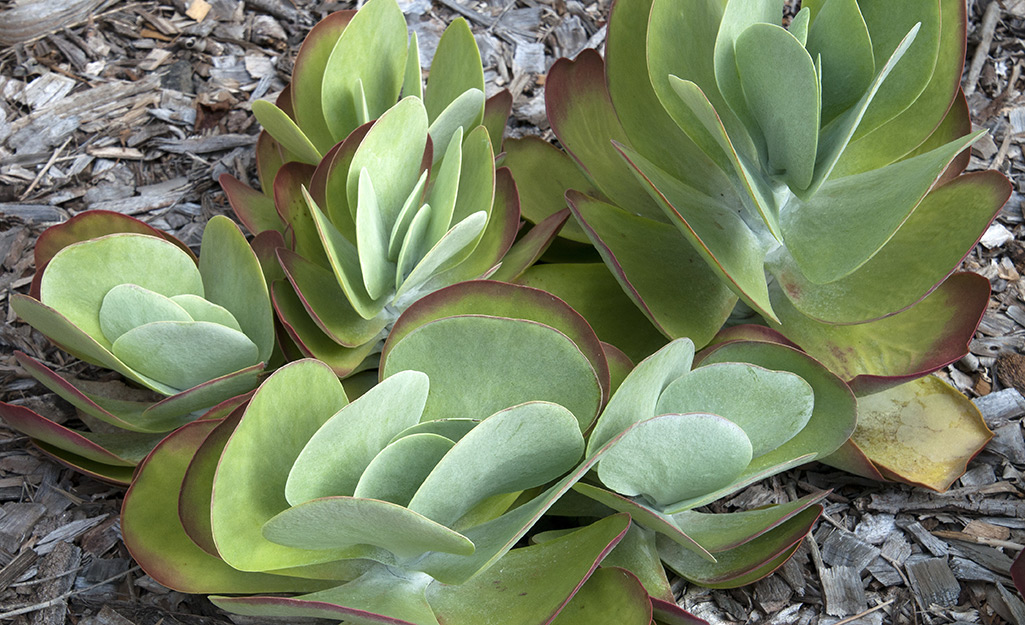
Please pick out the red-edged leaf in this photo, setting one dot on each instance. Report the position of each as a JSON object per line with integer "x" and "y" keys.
{"x": 254, "y": 209}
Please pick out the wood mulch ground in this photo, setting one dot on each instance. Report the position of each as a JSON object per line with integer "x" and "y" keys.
{"x": 138, "y": 107}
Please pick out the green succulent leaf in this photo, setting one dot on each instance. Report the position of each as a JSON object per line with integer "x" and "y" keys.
{"x": 155, "y": 538}
{"x": 611, "y": 596}
{"x": 674, "y": 457}
{"x": 232, "y": 279}
{"x": 342, "y": 522}
{"x": 512, "y": 450}
{"x": 334, "y": 458}
{"x": 781, "y": 86}
{"x": 491, "y": 360}
{"x": 396, "y": 472}
{"x": 455, "y": 69}
{"x": 279, "y": 125}
{"x": 722, "y": 532}
{"x": 127, "y": 306}
{"x": 405, "y": 218}
{"x": 412, "y": 80}
{"x": 372, "y": 240}
{"x": 391, "y": 152}
{"x": 308, "y": 77}
{"x": 464, "y": 113}
{"x": 366, "y": 65}
{"x": 445, "y": 187}
{"x": 254, "y": 209}
{"x": 250, "y": 483}
{"x": 457, "y": 243}
{"x": 638, "y": 554}
{"x": 840, "y": 38}
{"x": 79, "y": 276}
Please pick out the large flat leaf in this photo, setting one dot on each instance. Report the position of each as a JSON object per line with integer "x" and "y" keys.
{"x": 328, "y": 184}
{"x": 249, "y": 487}
{"x": 923, "y": 432}
{"x": 638, "y": 395}
{"x": 395, "y": 474}
{"x": 834, "y": 412}
{"x": 497, "y": 109}
{"x": 737, "y": 18}
{"x": 496, "y": 357}
{"x": 197, "y": 485}
{"x": 78, "y": 277}
{"x": 289, "y": 183}
{"x": 663, "y": 277}
{"x": 839, "y": 38}
{"x": 391, "y": 152}
{"x": 921, "y": 254}
{"x": 486, "y": 297}
{"x": 887, "y": 24}
{"x": 156, "y": 539}
{"x": 722, "y": 532}
{"x": 929, "y": 335}
{"x": 370, "y": 57}
{"x": 308, "y": 77}
{"x": 842, "y": 226}
{"x": 784, "y": 102}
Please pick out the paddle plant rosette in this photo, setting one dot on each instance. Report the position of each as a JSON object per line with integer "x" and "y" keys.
{"x": 403, "y": 505}
{"x": 812, "y": 174}
{"x": 388, "y": 201}
{"x": 121, "y": 295}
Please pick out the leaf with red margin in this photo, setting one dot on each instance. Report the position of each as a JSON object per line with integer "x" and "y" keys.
{"x": 499, "y": 299}
{"x": 529, "y": 248}
{"x": 496, "y": 115}
{"x": 127, "y": 447}
{"x": 926, "y": 249}
{"x": 923, "y": 432}
{"x": 1018, "y": 572}
{"x": 668, "y": 613}
{"x": 665, "y": 277}
{"x": 308, "y": 77}
{"x": 327, "y": 186}
{"x": 497, "y": 239}
{"x": 745, "y": 564}
{"x": 611, "y": 596}
{"x": 89, "y": 225}
{"x": 270, "y": 156}
{"x": 288, "y": 199}
{"x": 309, "y": 338}
{"x": 255, "y": 210}
{"x": 325, "y": 302}
{"x": 620, "y": 365}
{"x": 543, "y": 174}
{"x": 881, "y": 354}
{"x": 638, "y": 554}
{"x": 851, "y": 459}
{"x": 144, "y": 417}
{"x": 265, "y": 245}
{"x": 197, "y": 485}
{"x": 746, "y": 332}
{"x": 156, "y": 540}
{"x": 581, "y": 114}
{"x": 121, "y": 476}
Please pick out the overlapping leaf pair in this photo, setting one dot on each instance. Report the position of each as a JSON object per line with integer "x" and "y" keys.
{"x": 377, "y": 213}
{"x": 810, "y": 173}
{"x": 121, "y": 295}
{"x": 421, "y": 488}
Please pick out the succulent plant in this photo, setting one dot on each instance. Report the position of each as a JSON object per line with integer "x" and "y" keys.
{"x": 812, "y": 174}
{"x": 380, "y": 204}
{"x": 404, "y": 505}
{"x": 118, "y": 294}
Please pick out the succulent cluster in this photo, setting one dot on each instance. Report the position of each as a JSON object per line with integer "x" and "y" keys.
{"x": 396, "y": 405}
